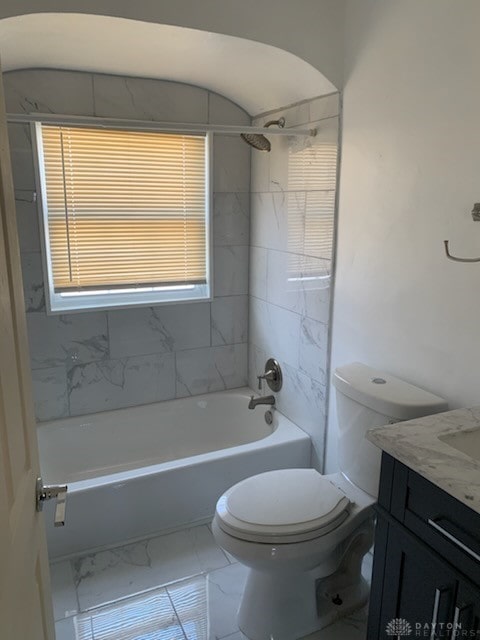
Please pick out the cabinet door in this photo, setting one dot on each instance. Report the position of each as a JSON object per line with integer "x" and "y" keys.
{"x": 418, "y": 588}
{"x": 467, "y": 611}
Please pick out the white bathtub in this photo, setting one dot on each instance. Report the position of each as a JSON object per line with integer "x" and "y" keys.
{"x": 155, "y": 468}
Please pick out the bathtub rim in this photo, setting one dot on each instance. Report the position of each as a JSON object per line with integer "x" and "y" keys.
{"x": 280, "y": 434}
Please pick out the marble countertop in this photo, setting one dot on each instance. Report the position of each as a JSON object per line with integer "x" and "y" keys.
{"x": 416, "y": 444}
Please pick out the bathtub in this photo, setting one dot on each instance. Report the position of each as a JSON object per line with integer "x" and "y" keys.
{"x": 136, "y": 472}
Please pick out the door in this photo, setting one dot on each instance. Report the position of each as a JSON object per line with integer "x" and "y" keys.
{"x": 25, "y": 599}
{"x": 419, "y": 589}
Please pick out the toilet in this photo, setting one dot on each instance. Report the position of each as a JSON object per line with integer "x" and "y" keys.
{"x": 302, "y": 535}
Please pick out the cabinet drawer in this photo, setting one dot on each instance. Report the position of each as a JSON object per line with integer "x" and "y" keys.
{"x": 444, "y": 523}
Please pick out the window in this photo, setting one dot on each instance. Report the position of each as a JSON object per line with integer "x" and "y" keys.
{"x": 125, "y": 216}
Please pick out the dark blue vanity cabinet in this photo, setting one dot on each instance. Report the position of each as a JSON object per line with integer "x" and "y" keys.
{"x": 426, "y": 568}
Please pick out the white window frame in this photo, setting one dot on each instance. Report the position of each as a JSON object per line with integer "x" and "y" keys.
{"x": 77, "y": 302}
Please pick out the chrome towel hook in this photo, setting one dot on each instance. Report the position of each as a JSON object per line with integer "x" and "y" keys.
{"x": 455, "y": 259}
{"x": 476, "y": 218}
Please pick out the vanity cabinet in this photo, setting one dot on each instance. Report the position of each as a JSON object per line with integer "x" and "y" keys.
{"x": 426, "y": 567}
{"x": 468, "y": 613}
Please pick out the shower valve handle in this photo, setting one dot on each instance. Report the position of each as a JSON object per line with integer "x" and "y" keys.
{"x": 268, "y": 375}
{"x": 273, "y": 375}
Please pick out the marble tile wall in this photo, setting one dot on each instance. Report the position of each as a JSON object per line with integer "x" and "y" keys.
{"x": 97, "y": 361}
{"x": 291, "y": 248}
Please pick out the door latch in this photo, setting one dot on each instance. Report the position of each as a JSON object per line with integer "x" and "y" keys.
{"x": 51, "y": 492}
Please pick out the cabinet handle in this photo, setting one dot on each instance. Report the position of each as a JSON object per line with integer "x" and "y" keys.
{"x": 436, "y": 607}
{"x": 453, "y": 539}
{"x": 459, "y": 611}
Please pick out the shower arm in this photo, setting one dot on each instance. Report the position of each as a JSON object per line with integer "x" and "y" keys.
{"x": 142, "y": 125}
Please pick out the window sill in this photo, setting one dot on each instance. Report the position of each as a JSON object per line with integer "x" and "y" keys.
{"x": 60, "y": 304}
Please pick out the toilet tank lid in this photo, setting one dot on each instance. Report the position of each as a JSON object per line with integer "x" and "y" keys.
{"x": 384, "y": 393}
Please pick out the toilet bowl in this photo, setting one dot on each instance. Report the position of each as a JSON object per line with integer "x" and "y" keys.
{"x": 302, "y": 535}
{"x": 301, "y": 528}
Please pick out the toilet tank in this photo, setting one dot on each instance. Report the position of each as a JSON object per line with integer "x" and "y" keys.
{"x": 368, "y": 398}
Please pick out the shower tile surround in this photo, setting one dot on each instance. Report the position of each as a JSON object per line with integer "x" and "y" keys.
{"x": 94, "y": 361}
{"x": 292, "y": 187}
{"x": 101, "y": 360}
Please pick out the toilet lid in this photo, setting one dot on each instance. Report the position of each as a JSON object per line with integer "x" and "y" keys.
{"x": 288, "y": 505}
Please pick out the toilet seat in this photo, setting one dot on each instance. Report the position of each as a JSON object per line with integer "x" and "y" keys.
{"x": 283, "y": 506}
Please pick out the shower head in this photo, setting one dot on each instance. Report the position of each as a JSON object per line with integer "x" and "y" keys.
{"x": 257, "y": 140}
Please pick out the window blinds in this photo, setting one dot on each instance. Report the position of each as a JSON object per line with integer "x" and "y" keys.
{"x": 124, "y": 208}
{"x": 311, "y": 216}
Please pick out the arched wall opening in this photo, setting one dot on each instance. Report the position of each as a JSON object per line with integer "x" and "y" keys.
{"x": 272, "y": 270}
{"x": 312, "y": 30}
{"x": 256, "y": 76}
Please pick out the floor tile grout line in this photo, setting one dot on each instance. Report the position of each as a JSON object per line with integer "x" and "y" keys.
{"x": 209, "y": 527}
{"x": 77, "y": 596}
{"x": 176, "y": 614}
{"x": 228, "y": 559}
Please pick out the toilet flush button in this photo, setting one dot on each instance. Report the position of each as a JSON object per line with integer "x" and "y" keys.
{"x": 379, "y": 381}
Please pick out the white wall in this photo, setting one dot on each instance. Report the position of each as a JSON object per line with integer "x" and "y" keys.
{"x": 311, "y": 29}
{"x": 409, "y": 176}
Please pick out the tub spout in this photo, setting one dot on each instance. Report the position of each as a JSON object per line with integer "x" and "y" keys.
{"x": 270, "y": 400}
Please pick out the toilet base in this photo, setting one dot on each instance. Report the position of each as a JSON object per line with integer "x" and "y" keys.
{"x": 286, "y": 605}
{"x": 277, "y": 606}
{"x": 353, "y": 598}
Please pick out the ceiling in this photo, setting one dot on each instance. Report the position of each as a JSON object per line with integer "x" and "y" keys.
{"x": 256, "y": 76}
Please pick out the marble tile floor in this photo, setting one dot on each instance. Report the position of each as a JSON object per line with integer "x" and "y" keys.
{"x": 179, "y": 586}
